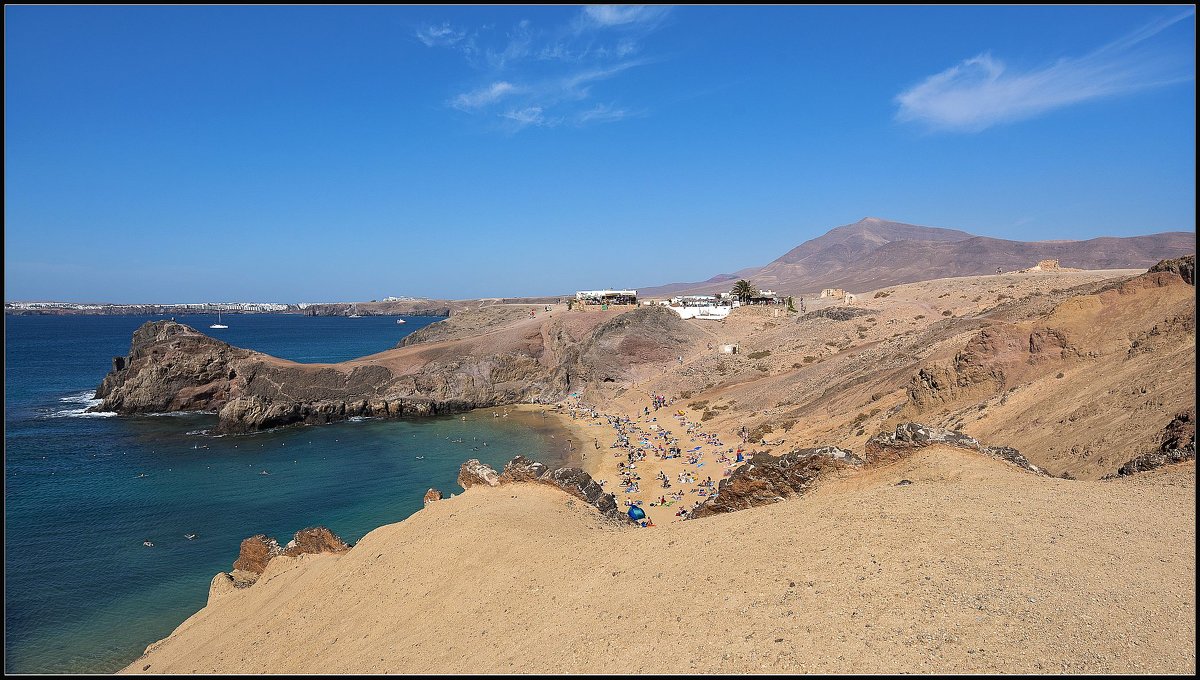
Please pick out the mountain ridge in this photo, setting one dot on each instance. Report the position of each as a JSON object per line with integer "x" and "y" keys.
{"x": 874, "y": 253}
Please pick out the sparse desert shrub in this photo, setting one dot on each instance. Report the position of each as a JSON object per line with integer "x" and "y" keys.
{"x": 943, "y": 295}
{"x": 760, "y": 354}
{"x": 686, "y": 394}
{"x": 706, "y": 386}
{"x": 870, "y": 319}
{"x": 698, "y": 405}
{"x": 762, "y": 367}
{"x": 809, "y": 359}
{"x": 835, "y": 314}
{"x": 722, "y": 368}
{"x": 707, "y": 415}
{"x": 882, "y": 294}
{"x": 947, "y": 313}
{"x": 797, "y": 365}
{"x": 1060, "y": 374}
{"x": 919, "y": 317}
{"x": 877, "y": 396}
{"x": 862, "y": 336}
{"x": 977, "y": 298}
{"x": 862, "y": 329}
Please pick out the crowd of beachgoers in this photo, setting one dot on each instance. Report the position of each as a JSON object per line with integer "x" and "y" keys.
{"x": 679, "y": 448}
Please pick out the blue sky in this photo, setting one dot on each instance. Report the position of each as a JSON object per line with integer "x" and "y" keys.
{"x": 348, "y": 153}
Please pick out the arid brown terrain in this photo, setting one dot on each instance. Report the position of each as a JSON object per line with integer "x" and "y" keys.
{"x": 1050, "y": 528}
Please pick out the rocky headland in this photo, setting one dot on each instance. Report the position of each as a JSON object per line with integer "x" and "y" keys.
{"x": 172, "y": 367}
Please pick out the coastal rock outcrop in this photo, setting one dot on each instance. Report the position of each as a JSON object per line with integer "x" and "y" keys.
{"x": 473, "y": 473}
{"x": 170, "y": 367}
{"x": 431, "y": 496}
{"x": 1178, "y": 443}
{"x": 888, "y": 447}
{"x": 258, "y": 550}
{"x": 520, "y": 469}
{"x": 767, "y": 479}
{"x": 314, "y": 540}
{"x": 255, "y": 552}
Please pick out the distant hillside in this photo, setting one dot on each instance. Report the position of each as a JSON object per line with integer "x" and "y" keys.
{"x": 873, "y": 253}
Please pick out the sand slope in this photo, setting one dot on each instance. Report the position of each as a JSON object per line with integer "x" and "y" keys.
{"x": 976, "y": 567}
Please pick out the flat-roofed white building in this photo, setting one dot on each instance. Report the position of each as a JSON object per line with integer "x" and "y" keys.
{"x": 607, "y": 297}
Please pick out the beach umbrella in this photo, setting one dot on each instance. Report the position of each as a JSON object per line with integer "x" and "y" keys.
{"x": 636, "y": 513}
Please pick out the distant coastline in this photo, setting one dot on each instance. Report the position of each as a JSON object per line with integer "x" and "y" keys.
{"x": 401, "y": 307}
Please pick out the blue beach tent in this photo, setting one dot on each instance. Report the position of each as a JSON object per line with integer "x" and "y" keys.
{"x": 636, "y": 513}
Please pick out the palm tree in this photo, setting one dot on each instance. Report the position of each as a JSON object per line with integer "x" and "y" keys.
{"x": 743, "y": 290}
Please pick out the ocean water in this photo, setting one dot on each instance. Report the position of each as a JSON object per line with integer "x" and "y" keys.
{"x": 82, "y": 593}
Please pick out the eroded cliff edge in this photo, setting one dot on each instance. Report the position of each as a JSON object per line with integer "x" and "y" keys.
{"x": 173, "y": 367}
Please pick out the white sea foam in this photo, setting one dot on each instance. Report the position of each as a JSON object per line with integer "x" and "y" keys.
{"x": 81, "y": 413}
{"x": 86, "y": 400}
{"x": 82, "y": 398}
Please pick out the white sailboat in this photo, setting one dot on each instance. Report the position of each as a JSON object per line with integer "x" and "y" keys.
{"x": 218, "y": 324}
{"x": 354, "y": 312}
{"x": 400, "y": 321}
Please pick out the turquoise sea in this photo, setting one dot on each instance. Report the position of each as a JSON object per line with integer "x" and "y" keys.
{"x": 82, "y": 593}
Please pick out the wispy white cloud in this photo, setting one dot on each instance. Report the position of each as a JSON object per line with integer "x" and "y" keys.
{"x": 440, "y": 36}
{"x": 545, "y": 76}
{"x": 622, "y": 15}
{"x": 483, "y": 96}
{"x": 530, "y": 115}
{"x": 602, "y": 113}
{"x": 520, "y": 42}
{"x": 982, "y": 91}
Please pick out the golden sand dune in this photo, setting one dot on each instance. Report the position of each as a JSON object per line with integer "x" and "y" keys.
{"x": 976, "y": 566}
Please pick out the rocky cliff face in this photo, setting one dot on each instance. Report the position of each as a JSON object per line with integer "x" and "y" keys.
{"x": 766, "y": 479}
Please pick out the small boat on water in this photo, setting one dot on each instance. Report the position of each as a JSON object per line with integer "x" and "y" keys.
{"x": 142, "y": 475}
{"x": 148, "y": 544}
{"x": 354, "y": 312}
{"x": 189, "y": 536}
{"x": 401, "y": 321}
{"x": 264, "y": 472}
{"x": 218, "y": 324}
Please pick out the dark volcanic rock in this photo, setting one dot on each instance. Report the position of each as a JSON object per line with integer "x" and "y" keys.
{"x": 1184, "y": 266}
{"x": 520, "y": 469}
{"x": 1178, "y": 444}
{"x": 888, "y": 447}
{"x": 766, "y": 479}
